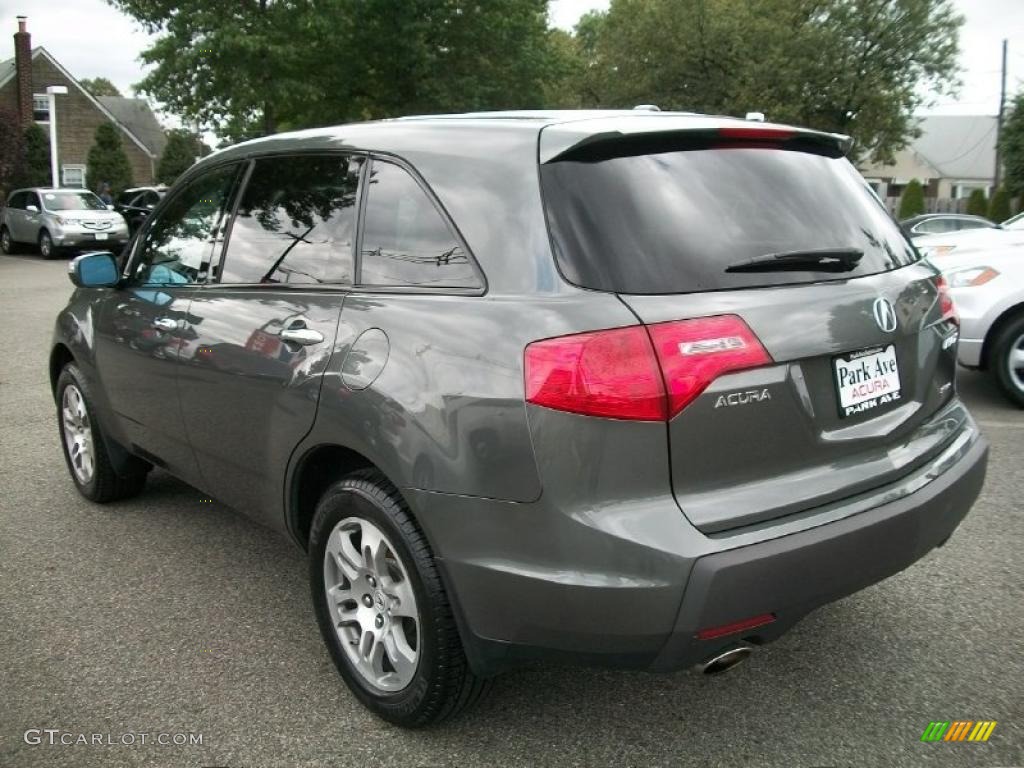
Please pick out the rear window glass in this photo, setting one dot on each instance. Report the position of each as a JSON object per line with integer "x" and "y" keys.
{"x": 673, "y": 222}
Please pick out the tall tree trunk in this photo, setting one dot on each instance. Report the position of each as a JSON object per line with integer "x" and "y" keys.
{"x": 269, "y": 119}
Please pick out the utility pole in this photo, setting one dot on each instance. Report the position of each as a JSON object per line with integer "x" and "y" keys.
{"x": 999, "y": 122}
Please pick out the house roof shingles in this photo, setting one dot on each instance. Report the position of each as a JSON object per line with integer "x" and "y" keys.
{"x": 6, "y": 70}
{"x": 137, "y": 117}
{"x": 958, "y": 146}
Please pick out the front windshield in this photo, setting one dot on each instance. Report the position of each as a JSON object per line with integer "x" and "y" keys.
{"x": 72, "y": 201}
{"x": 1017, "y": 222}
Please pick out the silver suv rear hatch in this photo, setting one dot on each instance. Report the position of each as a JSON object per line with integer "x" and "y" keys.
{"x": 771, "y": 230}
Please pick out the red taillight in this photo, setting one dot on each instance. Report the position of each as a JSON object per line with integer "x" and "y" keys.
{"x": 693, "y": 353}
{"x": 946, "y": 305}
{"x": 625, "y": 374}
{"x": 606, "y": 373}
{"x": 737, "y": 626}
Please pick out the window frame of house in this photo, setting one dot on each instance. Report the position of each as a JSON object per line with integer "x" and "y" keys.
{"x": 38, "y": 98}
{"x": 71, "y": 167}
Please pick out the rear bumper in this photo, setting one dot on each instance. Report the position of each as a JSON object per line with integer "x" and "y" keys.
{"x": 795, "y": 574}
{"x": 630, "y": 584}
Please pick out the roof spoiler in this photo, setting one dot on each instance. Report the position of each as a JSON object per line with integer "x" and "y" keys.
{"x": 573, "y": 141}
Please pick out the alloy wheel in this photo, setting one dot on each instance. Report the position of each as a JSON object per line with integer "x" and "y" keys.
{"x": 5, "y": 241}
{"x": 45, "y": 245}
{"x": 78, "y": 436}
{"x": 372, "y": 604}
{"x": 1015, "y": 362}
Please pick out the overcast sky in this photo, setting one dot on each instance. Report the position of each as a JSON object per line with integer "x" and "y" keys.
{"x": 92, "y": 39}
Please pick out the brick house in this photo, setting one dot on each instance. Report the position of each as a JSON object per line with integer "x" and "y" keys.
{"x": 23, "y": 83}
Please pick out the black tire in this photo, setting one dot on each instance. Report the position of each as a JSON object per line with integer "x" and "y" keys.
{"x": 443, "y": 684}
{"x": 46, "y": 247}
{"x": 7, "y": 245}
{"x": 1009, "y": 338}
{"x": 106, "y": 484}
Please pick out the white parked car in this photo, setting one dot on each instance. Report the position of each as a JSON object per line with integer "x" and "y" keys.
{"x": 987, "y": 286}
{"x": 1009, "y": 233}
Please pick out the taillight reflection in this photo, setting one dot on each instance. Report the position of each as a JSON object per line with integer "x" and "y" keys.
{"x": 946, "y": 305}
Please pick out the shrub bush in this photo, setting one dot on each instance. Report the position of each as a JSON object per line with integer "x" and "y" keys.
{"x": 912, "y": 200}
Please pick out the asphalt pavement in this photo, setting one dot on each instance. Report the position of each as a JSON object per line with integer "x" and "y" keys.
{"x": 168, "y": 614}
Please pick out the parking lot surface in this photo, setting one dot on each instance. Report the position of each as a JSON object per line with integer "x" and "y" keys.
{"x": 170, "y": 614}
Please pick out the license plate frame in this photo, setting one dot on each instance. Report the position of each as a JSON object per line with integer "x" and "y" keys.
{"x": 102, "y": 235}
{"x": 866, "y": 380}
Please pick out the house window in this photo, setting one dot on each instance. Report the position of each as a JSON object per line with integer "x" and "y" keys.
{"x": 72, "y": 176}
{"x": 41, "y": 108}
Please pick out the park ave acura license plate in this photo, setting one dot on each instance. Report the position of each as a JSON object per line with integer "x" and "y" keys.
{"x": 867, "y": 379}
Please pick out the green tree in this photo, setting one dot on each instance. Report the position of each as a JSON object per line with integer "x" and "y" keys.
{"x": 178, "y": 156}
{"x": 295, "y": 63}
{"x": 38, "y": 172}
{"x": 107, "y": 162}
{"x": 859, "y": 67}
{"x": 999, "y": 206}
{"x": 1011, "y": 146}
{"x": 977, "y": 203}
{"x": 564, "y": 81}
{"x": 912, "y": 200}
{"x": 99, "y": 86}
{"x": 12, "y": 153}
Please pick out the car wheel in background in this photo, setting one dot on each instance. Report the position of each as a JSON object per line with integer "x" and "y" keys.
{"x": 1008, "y": 359}
{"x": 382, "y": 609}
{"x": 7, "y": 245}
{"x": 81, "y": 439}
{"x": 46, "y": 247}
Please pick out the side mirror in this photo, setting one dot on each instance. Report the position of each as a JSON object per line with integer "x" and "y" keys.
{"x": 32, "y": 208}
{"x": 110, "y": 207}
{"x": 94, "y": 270}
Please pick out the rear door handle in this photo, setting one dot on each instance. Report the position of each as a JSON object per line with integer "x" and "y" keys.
{"x": 165, "y": 324}
{"x": 303, "y": 336}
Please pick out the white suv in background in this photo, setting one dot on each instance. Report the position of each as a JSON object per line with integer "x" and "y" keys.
{"x": 56, "y": 219}
{"x": 1008, "y": 233}
{"x": 988, "y": 290}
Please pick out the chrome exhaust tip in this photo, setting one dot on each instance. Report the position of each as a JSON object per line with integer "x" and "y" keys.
{"x": 726, "y": 660}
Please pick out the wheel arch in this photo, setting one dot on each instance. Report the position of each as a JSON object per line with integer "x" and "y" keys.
{"x": 60, "y": 356}
{"x": 314, "y": 471}
{"x": 1008, "y": 316}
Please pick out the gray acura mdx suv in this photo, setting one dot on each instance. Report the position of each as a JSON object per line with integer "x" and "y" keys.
{"x": 618, "y": 388}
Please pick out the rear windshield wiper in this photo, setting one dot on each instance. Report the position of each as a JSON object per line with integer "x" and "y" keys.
{"x": 823, "y": 260}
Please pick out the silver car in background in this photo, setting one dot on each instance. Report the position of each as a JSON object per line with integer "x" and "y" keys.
{"x": 56, "y": 219}
{"x": 987, "y": 286}
{"x": 1006, "y": 234}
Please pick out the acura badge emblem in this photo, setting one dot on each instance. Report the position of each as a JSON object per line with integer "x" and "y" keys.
{"x": 885, "y": 315}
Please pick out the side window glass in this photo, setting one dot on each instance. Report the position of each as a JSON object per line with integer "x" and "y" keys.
{"x": 16, "y": 200}
{"x": 295, "y": 222}
{"x": 178, "y": 245}
{"x": 149, "y": 200}
{"x": 33, "y": 199}
{"x": 406, "y": 241}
